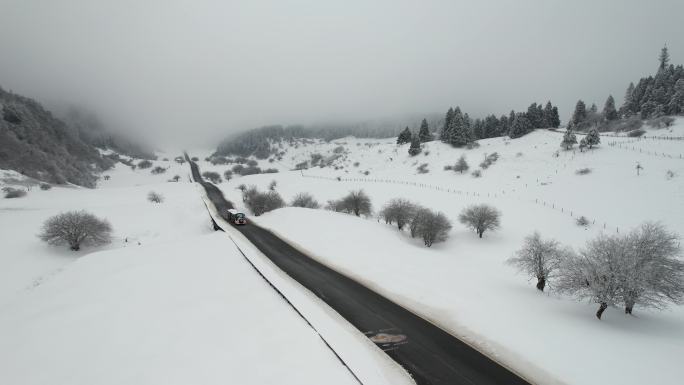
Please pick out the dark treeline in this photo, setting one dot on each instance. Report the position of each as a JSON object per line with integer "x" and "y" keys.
{"x": 653, "y": 97}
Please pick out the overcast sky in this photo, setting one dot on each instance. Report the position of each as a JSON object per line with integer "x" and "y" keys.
{"x": 194, "y": 69}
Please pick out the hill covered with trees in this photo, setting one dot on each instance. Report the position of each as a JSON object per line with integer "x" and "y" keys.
{"x": 37, "y": 144}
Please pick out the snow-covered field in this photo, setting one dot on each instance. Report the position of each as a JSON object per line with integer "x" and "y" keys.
{"x": 169, "y": 301}
{"x": 463, "y": 285}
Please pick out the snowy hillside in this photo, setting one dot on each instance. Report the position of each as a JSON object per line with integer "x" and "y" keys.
{"x": 463, "y": 284}
{"x": 169, "y": 301}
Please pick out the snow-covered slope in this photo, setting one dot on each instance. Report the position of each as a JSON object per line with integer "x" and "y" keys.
{"x": 169, "y": 301}
{"x": 463, "y": 284}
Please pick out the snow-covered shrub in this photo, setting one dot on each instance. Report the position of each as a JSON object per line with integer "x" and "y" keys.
{"x": 302, "y": 166}
{"x": 480, "y": 218}
{"x": 472, "y": 145}
{"x": 519, "y": 154}
{"x": 569, "y": 139}
{"x": 272, "y": 186}
{"x": 669, "y": 174}
{"x": 250, "y": 170}
{"x": 212, "y": 176}
{"x": 219, "y": 160}
{"x": 636, "y": 133}
{"x": 252, "y": 163}
{"x": 539, "y": 258}
{"x": 305, "y": 200}
{"x": 144, "y": 164}
{"x": 398, "y": 210}
{"x": 366, "y": 172}
{"x": 315, "y": 159}
{"x": 76, "y": 228}
{"x": 432, "y": 227}
{"x": 338, "y": 150}
{"x": 423, "y": 169}
{"x": 461, "y": 165}
{"x": 175, "y": 178}
{"x": 155, "y": 197}
{"x": 641, "y": 267}
{"x": 476, "y": 173}
{"x": 356, "y": 202}
{"x": 270, "y": 171}
{"x": 262, "y": 202}
{"x": 661, "y": 122}
{"x": 11, "y": 192}
{"x": 227, "y": 175}
{"x": 158, "y": 170}
{"x": 47, "y": 186}
{"x": 357, "y": 164}
{"x": 582, "y": 221}
{"x": 448, "y": 167}
{"x": 583, "y": 171}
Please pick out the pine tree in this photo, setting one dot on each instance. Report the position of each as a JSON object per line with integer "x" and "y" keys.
{"x": 533, "y": 116}
{"x": 520, "y": 127}
{"x": 414, "y": 149}
{"x": 569, "y": 139}
{"x": 609, "y": 111}
{"x": 676, "y": 105}
{"x": 502, "y": 127}
{"x": 555, "y": 118}
{"x": 458, "y": 131}
{"x": 446, "y": 133}
{"x": 580, "y": 114}
{"x": 664, "y": 58}
{"x": 627, "y": 108}
{"x": 593, "y": 138}
{"x": 424, "y": 134}
{"x": 593, "y": 108}
{"x": 479, "y": 129}
{"x": 547, "y": 116}
{"x": 404, "y": 136}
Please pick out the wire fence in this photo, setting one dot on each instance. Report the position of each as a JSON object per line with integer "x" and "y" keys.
{"x": 625, "y": 145}
{"x": 504, "y": 193}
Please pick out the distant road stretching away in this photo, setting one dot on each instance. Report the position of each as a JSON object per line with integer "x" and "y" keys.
{"x": 431, "y": 355}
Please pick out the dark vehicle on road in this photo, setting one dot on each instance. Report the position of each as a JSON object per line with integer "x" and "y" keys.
{"x": 236, "y": 217}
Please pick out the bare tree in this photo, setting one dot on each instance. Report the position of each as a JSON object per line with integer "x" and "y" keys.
{"x": 76, "y": 228}
{"x": 539, "y": 258}
{"x": 155, "y": 197}
{"x": 594, "y": 273}
{"x": 651, "y": 275}
{"x": 213, "y": 176}
{"x": 357, "y": 202}
{"x": 305, "y": 200}
{"x": 262, "y": 202}
{"x": 480, "y": 218}
{"x": 398, "y": 210}
{"x": 432, "y": 227}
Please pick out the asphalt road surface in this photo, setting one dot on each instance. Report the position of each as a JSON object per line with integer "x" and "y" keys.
{"x": 428, "y": 353}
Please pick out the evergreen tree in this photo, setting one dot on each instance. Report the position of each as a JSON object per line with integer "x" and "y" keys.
{"x": 579, "y": 116}
{"x": 593, "y": 138}
{"x": 458, "y": 131}
{"x": 414, "y": 149}
{"x": 446, "y": 133}
{"x": 547, "y": 116}
{"x": 628, "y": 105}
{"x": 533, "y": 116}
{"x": 479, "y": 130}
{"x": 569, "y": 139}
{"x": 676, "y": 105}
{"x": 555, "y": 118}
{"x": 609, "y": 111}
{"x": 593, "y": 108}
{"x": 511, "y": 119}
{"x": 502, "y": 128}
{"x": 404, "y": 136}
{"x": 520, "y": 127}
{"x": 664, "y": 58}
{"x": 424, "y": 134}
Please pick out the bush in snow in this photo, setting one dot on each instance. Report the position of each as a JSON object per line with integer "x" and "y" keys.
{"x": 461, "y": 165}
{"x": 302, "y": 166}
{"x": 252, "y": 163}
{"x": 538, "y": 258}
{"x": 414, "y": 149}
{"x": 155, "y": 197}
{"x": 212, "y": 176}
{"x": 432, "y": 227}
{"x": 356, "y": 164}
{"x": 480, "y": 218}
{"x": 262, "y": 202}
{"x": 175, "y": 178}
{"x": 569, "y": 139}
{"x": 304, "y": 200}
{"x": 636, "y": 133}
{"x": 158, "y": 170}
{"x": 227, "y": 175}
{"x": 476, "y": 173}
{"x": 592, "y": 138}
{"x": 11, "y": 192}
{"x": 400, "y": 211}
{"x": 661, "y": 122}
{"x": 582, "y": 221}
{"x": 356, "y": 202}
{"x": 47, "y": 186}
{"x": 423, "y": 169}
{"x": 144, "y": 164}
{"x": 270, "y": 171}
{"x": 272, "y": 186}
{"x": 669, "y": 174}
{"x": 76, "y": 228}
{"x": 641, "y": 267}
{"x": 448, "y": 167}
{"x": 583, "y": 171}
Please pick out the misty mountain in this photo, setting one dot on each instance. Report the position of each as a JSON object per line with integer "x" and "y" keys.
{"x": 96, "y": 133}
{"x": 37, "y": 144}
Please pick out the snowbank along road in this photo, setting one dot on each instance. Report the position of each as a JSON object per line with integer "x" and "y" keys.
{"x": 429, "y": 354}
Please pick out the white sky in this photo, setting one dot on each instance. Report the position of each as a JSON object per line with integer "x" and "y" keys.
{"x": 190, "y": 70}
